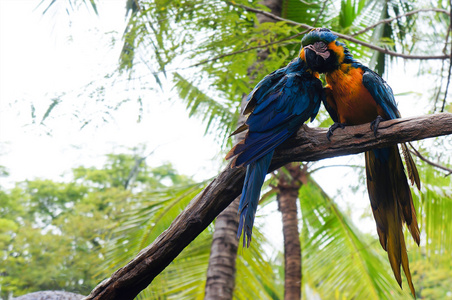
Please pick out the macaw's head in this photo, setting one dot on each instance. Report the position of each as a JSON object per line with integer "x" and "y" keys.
{"x": 321, "y": 51}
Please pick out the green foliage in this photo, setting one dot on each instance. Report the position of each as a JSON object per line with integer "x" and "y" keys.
{"x": 334, "y": 252}
{"x": 215, "y": 45}
{"x": 50, "y": 243}
{"x": 185, "y": 277}
{"x": 256, "y": 277}
{"x": 433, "y": 277}
{"x": 434, "y": 206}
{"x": 302, "y": 11}
{"x": 123, "y": 169}
{"x": 52, "y": 234}
{"x": 350, "y": 10}
{"x": 218, "y": 116}
{"x": 221, "y": 47}
{"x": 205, "y": 34}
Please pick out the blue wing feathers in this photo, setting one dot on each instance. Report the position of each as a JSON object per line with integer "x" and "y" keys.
{"x": 381, "y": 92}
{"x": 262, "y": 105}
{"x": 292, "y": 97}
{"x": 384, "y": 97}
{"x": 260, "y": 148}
{"x": 278, "y": 105}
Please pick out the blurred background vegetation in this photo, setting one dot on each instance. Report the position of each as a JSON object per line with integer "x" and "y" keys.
{"x": 71, "y": 234}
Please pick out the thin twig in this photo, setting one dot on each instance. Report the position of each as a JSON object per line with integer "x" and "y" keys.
{"x": 320, "y": 13}
{"x": 441, "y": 72}
{"x": 231, "y": 54}
{"x": 308, "y": 28}
{"x": 389, "y": 20}
{"x": 415, "y": 152}
{"x": 246, "y": 50}
{"x": 343, "y": 36}
{"x": 307, "y": 3}
{"x": 450, "y": 61}
{"x": 329, "y": 166}
{"x": 448, "y": 81}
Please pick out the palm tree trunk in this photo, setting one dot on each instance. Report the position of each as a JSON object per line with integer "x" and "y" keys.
{"x": 220, "y": 280}
{"x": 288, "y": 187}
{"x": 221, "y": 271}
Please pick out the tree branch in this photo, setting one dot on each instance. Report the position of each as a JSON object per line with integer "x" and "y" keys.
{"x": 418, "y": 154}
{"x": 320, "y": 13}
{"x": 310, "y": 144}
{"x": 246, "y": 50}
{"x": 343, "y": 36}
{"x": 439, "y": 10}
{"x": 308, "y": 27}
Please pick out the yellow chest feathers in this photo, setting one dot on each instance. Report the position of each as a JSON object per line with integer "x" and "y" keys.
{"x": 354, "y": 103}
{"x": 345, "y": 82}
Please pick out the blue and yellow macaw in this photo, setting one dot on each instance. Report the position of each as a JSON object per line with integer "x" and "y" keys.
{"x": 277, "y": 107}
{"x": 357, "y": 95}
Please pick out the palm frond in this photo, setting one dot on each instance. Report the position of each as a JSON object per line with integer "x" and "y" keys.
{"x": 70, "y": 5}
{"x": 434, "y": 205}
{"x": 256, "y": 277}
{"x": 185, "y": 277}
{"x": 334, "y": 251}
{"x": 301, "y": 11}
{"x": 150, "y": 214}
{"x": 220, "y": 118}
{"x": 381, "y": 33}
{"x": 350, "y": 10}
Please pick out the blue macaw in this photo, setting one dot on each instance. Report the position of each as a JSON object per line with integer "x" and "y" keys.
{"x": 357, "y": 95}
{"x": 277, "y": 107}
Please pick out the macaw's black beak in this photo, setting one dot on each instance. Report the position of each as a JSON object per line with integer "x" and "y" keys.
{"x": 314, "y": 61}
{"x": 309, "y": 49}
{"x": 309, "y": 54}
{"x": 317, "y": 59}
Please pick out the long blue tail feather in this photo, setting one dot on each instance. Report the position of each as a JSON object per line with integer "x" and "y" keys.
{"x": 255, "y": 176}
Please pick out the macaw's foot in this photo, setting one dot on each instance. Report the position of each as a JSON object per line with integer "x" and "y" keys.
{"x": 333, "y": 128}
{"x": 375, "y": 124}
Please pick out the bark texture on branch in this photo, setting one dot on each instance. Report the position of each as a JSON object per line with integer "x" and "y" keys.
{"x": 309, "y": 144}
{"x": 220, "y": 281}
